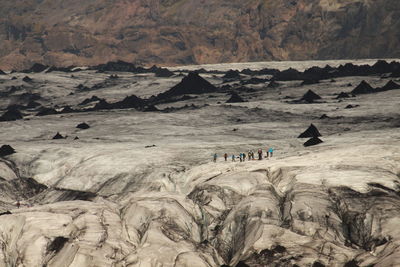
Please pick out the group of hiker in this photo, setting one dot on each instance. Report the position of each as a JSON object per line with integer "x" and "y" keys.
{"x": 250, "y": 155}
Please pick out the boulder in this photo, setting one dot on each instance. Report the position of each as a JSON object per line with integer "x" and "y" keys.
{"x": 6, "y": 150}
{"x": 58, "y": 136}
{"x": 83, "y": 126}
{"x": 313, "y": 141}
{"x": 27, "y": 79}
{"x": 311, "y": 131}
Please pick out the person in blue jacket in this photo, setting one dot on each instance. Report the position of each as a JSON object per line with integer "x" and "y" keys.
{"x": 271, "y": 151}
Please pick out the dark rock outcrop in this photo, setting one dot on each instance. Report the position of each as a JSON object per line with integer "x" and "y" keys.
{"x": 193, "y": 83}
{"x": 2, "y": 73}
{"x": 231, "y": 74}
{"x": 120, "y": 66}
{"x": 363, "y": 88}
{"x": 6, "y": 150}
{"x": 27, "y": 79}
{"x": 312, "y": 142}
{"x": 12, "y": 114}
{"x": 342, "y": 95}
{"x": 235, "y": 98}
{"x": 311, "y": 131}
{"x": 37, "y": 67}
{"x": 58, "y": 136}
{"x": 90, "y": 100}
{"x": 163, "y": 72}
{"x": 83, "y": 126}
{"x": 46, "y": 111}
{"x": 310, "y": 97}
{"x": 390, "y": 85}
{"x": 57, "y": 244}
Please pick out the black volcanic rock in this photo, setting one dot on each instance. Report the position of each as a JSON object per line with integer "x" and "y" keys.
{"x": 231, "y": 74}
{"x": 2, "y": 73}
{"x": 310, "y": 97}
{"x": 58, "y": 136}
{"x": 102, "y": 104}
{"x": 313, "y": 141}
{"x": 6, "y": 150}
{"x": 342, "y": 95}
{"x": 11, "y": 114}
{"x": 363, "y": 88}
{"x": 391, "y": 85}
{"x": 121, "y": 66}
{"x": 129, "y": 102}
{"x": 46, "y": 111}
{"x": 235, "y": 98}
{"x": 83, "y": 126}
{"x": 37, "y": 67}
{"x": 163, "y": 72}
{"x": 27, "y": 79}
{"x": 89, "y": 100}
{"x": 351, "y": 106}
{"x": 311, "y": 131}
{"x": 193, "y": 83}
{"x": 288, "y": 75}
{"x": 381, "y": 66}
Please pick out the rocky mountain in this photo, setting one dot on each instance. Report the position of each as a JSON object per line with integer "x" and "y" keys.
{"x": 88, "y": 32}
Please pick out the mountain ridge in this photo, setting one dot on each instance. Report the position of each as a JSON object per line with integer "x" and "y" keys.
{"x": 178, "y": 32}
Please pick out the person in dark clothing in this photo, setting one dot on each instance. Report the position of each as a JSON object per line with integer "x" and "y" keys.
{"x": 244, "y": 156}
{"x": 226, "y": 156}
{"x": 233, "y": 157}
{"x": 252, "y": 155}
{"x": 215, "y": 157}
{"x": 260, "y": 154}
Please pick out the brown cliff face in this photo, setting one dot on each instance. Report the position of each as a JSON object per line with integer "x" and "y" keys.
{"x": 87, "y": 32}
